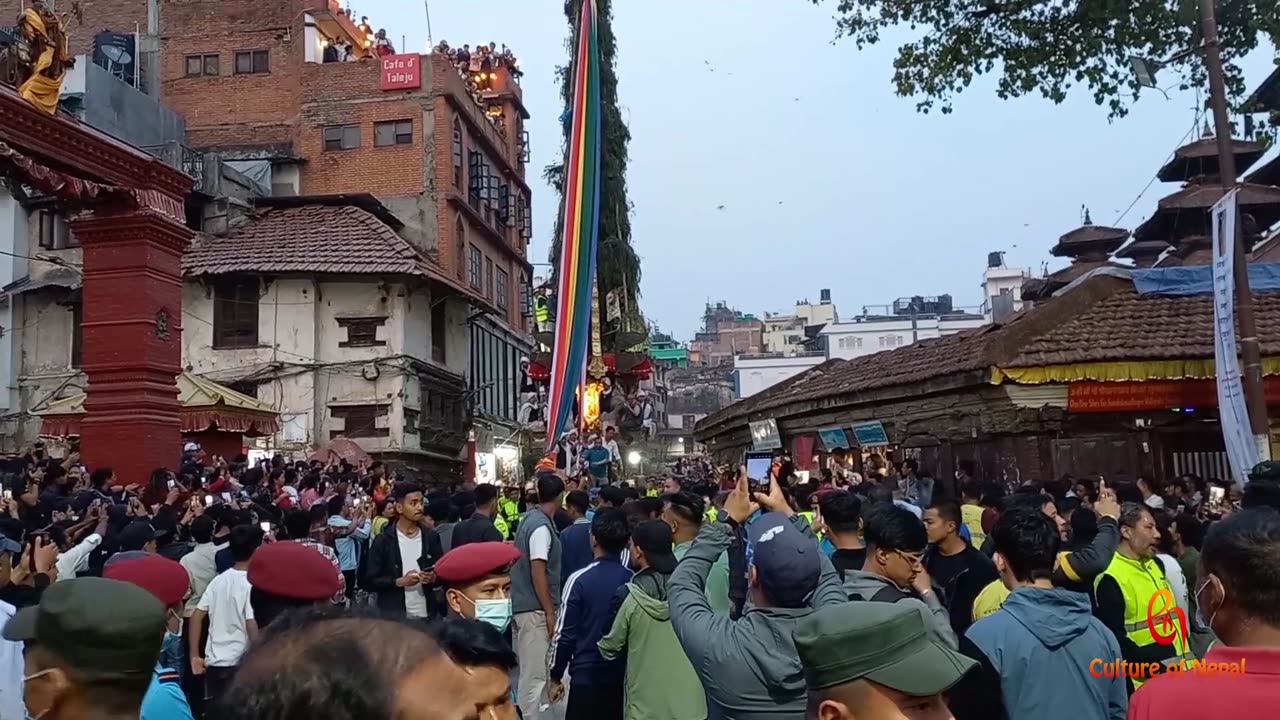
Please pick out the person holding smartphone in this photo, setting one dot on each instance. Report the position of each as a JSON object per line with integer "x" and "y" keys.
{"x": 401, "y": 559}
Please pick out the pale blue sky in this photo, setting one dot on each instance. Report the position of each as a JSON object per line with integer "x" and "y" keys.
{"x": 827, "y": 178}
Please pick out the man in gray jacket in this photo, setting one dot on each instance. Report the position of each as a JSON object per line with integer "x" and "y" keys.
{"x": 749, "y": 667}
{"x": 893, "y": 571}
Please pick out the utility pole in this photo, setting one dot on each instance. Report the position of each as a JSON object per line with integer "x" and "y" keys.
{"x": 1250, "y": 350}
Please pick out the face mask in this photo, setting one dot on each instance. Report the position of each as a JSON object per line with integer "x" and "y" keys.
{"x": 494, "y": 612}
{"x": 33, "y": 676}
{"x": 1200, "y": 619}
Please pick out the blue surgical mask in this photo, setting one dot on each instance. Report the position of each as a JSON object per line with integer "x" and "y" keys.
{"x": 496, "y": 613}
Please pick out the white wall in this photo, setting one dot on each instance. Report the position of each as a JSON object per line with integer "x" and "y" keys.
{"x": 299, "y": 348}
{"x": 757, "y": 373}
{"x": 857, "y": 339}
{"x": 13, "y": 241}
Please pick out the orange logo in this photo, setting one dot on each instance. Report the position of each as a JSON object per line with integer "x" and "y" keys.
{"x": 1165, "y": 618}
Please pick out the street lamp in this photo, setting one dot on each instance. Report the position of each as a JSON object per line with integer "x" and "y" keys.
{"x": 633, "y": 457}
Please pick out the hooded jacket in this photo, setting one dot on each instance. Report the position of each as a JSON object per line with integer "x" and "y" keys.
{"x": 1037, "y": 657}
{"x": 862, "y": 585}
{"x": 748, "y": 667}
{"x": 660, "y": 683}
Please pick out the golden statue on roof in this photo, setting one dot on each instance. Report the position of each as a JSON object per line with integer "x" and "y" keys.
{"x": 37, "y": 60}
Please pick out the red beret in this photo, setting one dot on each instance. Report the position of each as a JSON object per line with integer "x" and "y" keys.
{"x": 294, "y": 571}
{"x": 160, "y": 576}
{"x": 474, "y": 561}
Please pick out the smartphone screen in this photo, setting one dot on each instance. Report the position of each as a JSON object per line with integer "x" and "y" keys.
{"x": 1216, "y": 495}
{"x": 758, "y": 464}
{"x": 266, "y": 526}
{"x": 208, "y": 500}
{"x": 172, "y": 484}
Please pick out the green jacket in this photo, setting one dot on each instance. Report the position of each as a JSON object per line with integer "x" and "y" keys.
{"x": 717, "y": 579}
{"x": 660, "y": 682}
{"x": 749, "y": 668}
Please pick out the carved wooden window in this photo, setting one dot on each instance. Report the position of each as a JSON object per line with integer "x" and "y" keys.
{"x": 252, "y": 62}
{"x": 393, "y": 132}
{"x": 475, "y": 179}
{"x": 362, "y": 331}
{"x": 341, "y": 137}
{"x": 361, "y": 421}
{"x": 235, "y": 314}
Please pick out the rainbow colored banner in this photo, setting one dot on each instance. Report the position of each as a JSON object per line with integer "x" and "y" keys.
{"x": 581, "y": 230}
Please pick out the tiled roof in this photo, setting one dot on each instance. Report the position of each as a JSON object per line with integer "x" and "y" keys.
{"x": 919, "y": 361}
{"x": 308, "y": 239}
{"x": 1120, "y": 326}
{"x": 1128, "y": 326}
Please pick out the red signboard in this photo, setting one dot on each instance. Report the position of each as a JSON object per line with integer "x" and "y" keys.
{"x": 1093, "y": 397}
{"x": 401, "y": 72}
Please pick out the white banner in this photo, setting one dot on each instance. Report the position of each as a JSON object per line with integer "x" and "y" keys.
{"x": 1232, "y": 411}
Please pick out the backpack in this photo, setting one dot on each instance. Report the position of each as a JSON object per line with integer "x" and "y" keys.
{"x": 886, "y": 594}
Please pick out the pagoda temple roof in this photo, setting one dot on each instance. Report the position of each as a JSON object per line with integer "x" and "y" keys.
{"x": 1200, "y": 159}
{"x": 1186, "y": 213}
{"x": 1090, "y": 239}
{"x": 1142, "y": 249}
{"x": 1266, "y": 96}
{"x": 1267, "y": 173}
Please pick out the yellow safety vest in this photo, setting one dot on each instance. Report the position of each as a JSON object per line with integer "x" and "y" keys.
{"x": 711, "y": 514}
{"x": 509, "y": 509}
{"x": 541, "y": 310}
{"x": 808, "y": 516}
{"x": 1140, "y": 581}
{"x": 971, "y": 515}
{"x": 501, "y": 525}
{"x": 651, "y": 492}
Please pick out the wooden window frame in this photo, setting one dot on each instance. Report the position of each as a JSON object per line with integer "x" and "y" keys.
{"x": 502, "y": 292}
{"x": 362, "y": 331}
{"x": 475, "y": 267}
{"x": 230, "y": 298}
{"x": 204, "y": 69}
{"x": 363, "y": 417}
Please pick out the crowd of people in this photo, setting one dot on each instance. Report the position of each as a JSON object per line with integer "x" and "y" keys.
{"x": 478, "y": 70}
{"x": 277, "y": 589}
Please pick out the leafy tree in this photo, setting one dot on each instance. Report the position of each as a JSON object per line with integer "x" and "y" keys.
{"x": 1051, "y": 46}
{"x": 618, "y": 266}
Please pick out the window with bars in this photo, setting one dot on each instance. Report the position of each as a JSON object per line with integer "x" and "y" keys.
{"x": 393, "y": 132}
{"x": 457, "y": 153}
{"x": 235, "y": 314}
{"x": 341, "y": 137}
{"x": 474, "y": 268}
{"x": 252, "y": 62}
{"x": 202, "y": 65}
{"x": 361, "y": 421}
{"x": 504, "y": 287}
{"x": 362, "y": 331}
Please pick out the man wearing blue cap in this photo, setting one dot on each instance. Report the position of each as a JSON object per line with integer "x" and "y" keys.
{"x": 749, "y": 667}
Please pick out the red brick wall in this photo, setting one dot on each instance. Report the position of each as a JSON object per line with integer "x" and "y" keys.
{"x": 349, "y": 94}
{"x": 123, "y": 16}
{"x": 230, "y": 109}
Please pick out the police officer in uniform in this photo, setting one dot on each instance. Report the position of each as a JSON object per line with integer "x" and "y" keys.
{"x": 99, "y": 628}
{"x": 168, "y": 581}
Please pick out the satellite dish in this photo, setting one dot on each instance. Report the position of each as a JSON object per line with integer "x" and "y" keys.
{"x": 116, "y": 54}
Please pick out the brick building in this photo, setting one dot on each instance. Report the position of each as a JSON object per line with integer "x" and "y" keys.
{"x": 258, "y": 85}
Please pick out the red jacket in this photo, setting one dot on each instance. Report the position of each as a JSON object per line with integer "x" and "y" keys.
{"x": 1201, "y": 694}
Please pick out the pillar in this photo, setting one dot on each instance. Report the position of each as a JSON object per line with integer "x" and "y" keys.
{"x": 132, "y": 338}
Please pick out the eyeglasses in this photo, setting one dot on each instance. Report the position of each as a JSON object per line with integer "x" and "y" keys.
{"x": 913, "y": 559}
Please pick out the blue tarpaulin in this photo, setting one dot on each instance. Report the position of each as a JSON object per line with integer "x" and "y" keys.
{"x": 1198, "y": 279}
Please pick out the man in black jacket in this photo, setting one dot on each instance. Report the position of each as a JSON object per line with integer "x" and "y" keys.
{"x": 959, "y": 570}
{"x": 402, "y": 560}
{"x": 479, "y": 527}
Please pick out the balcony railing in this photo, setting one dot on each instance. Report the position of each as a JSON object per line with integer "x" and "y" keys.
{"x": 179, "y": 157}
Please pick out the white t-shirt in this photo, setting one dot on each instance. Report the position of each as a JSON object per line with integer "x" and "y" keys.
{"x": 540, "y": 543}
{"x": 1177, "y": 581}
{"x": 415, "y": 602}
{"x": 226, "y": 601}
{"x": 1155, "y": 502}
